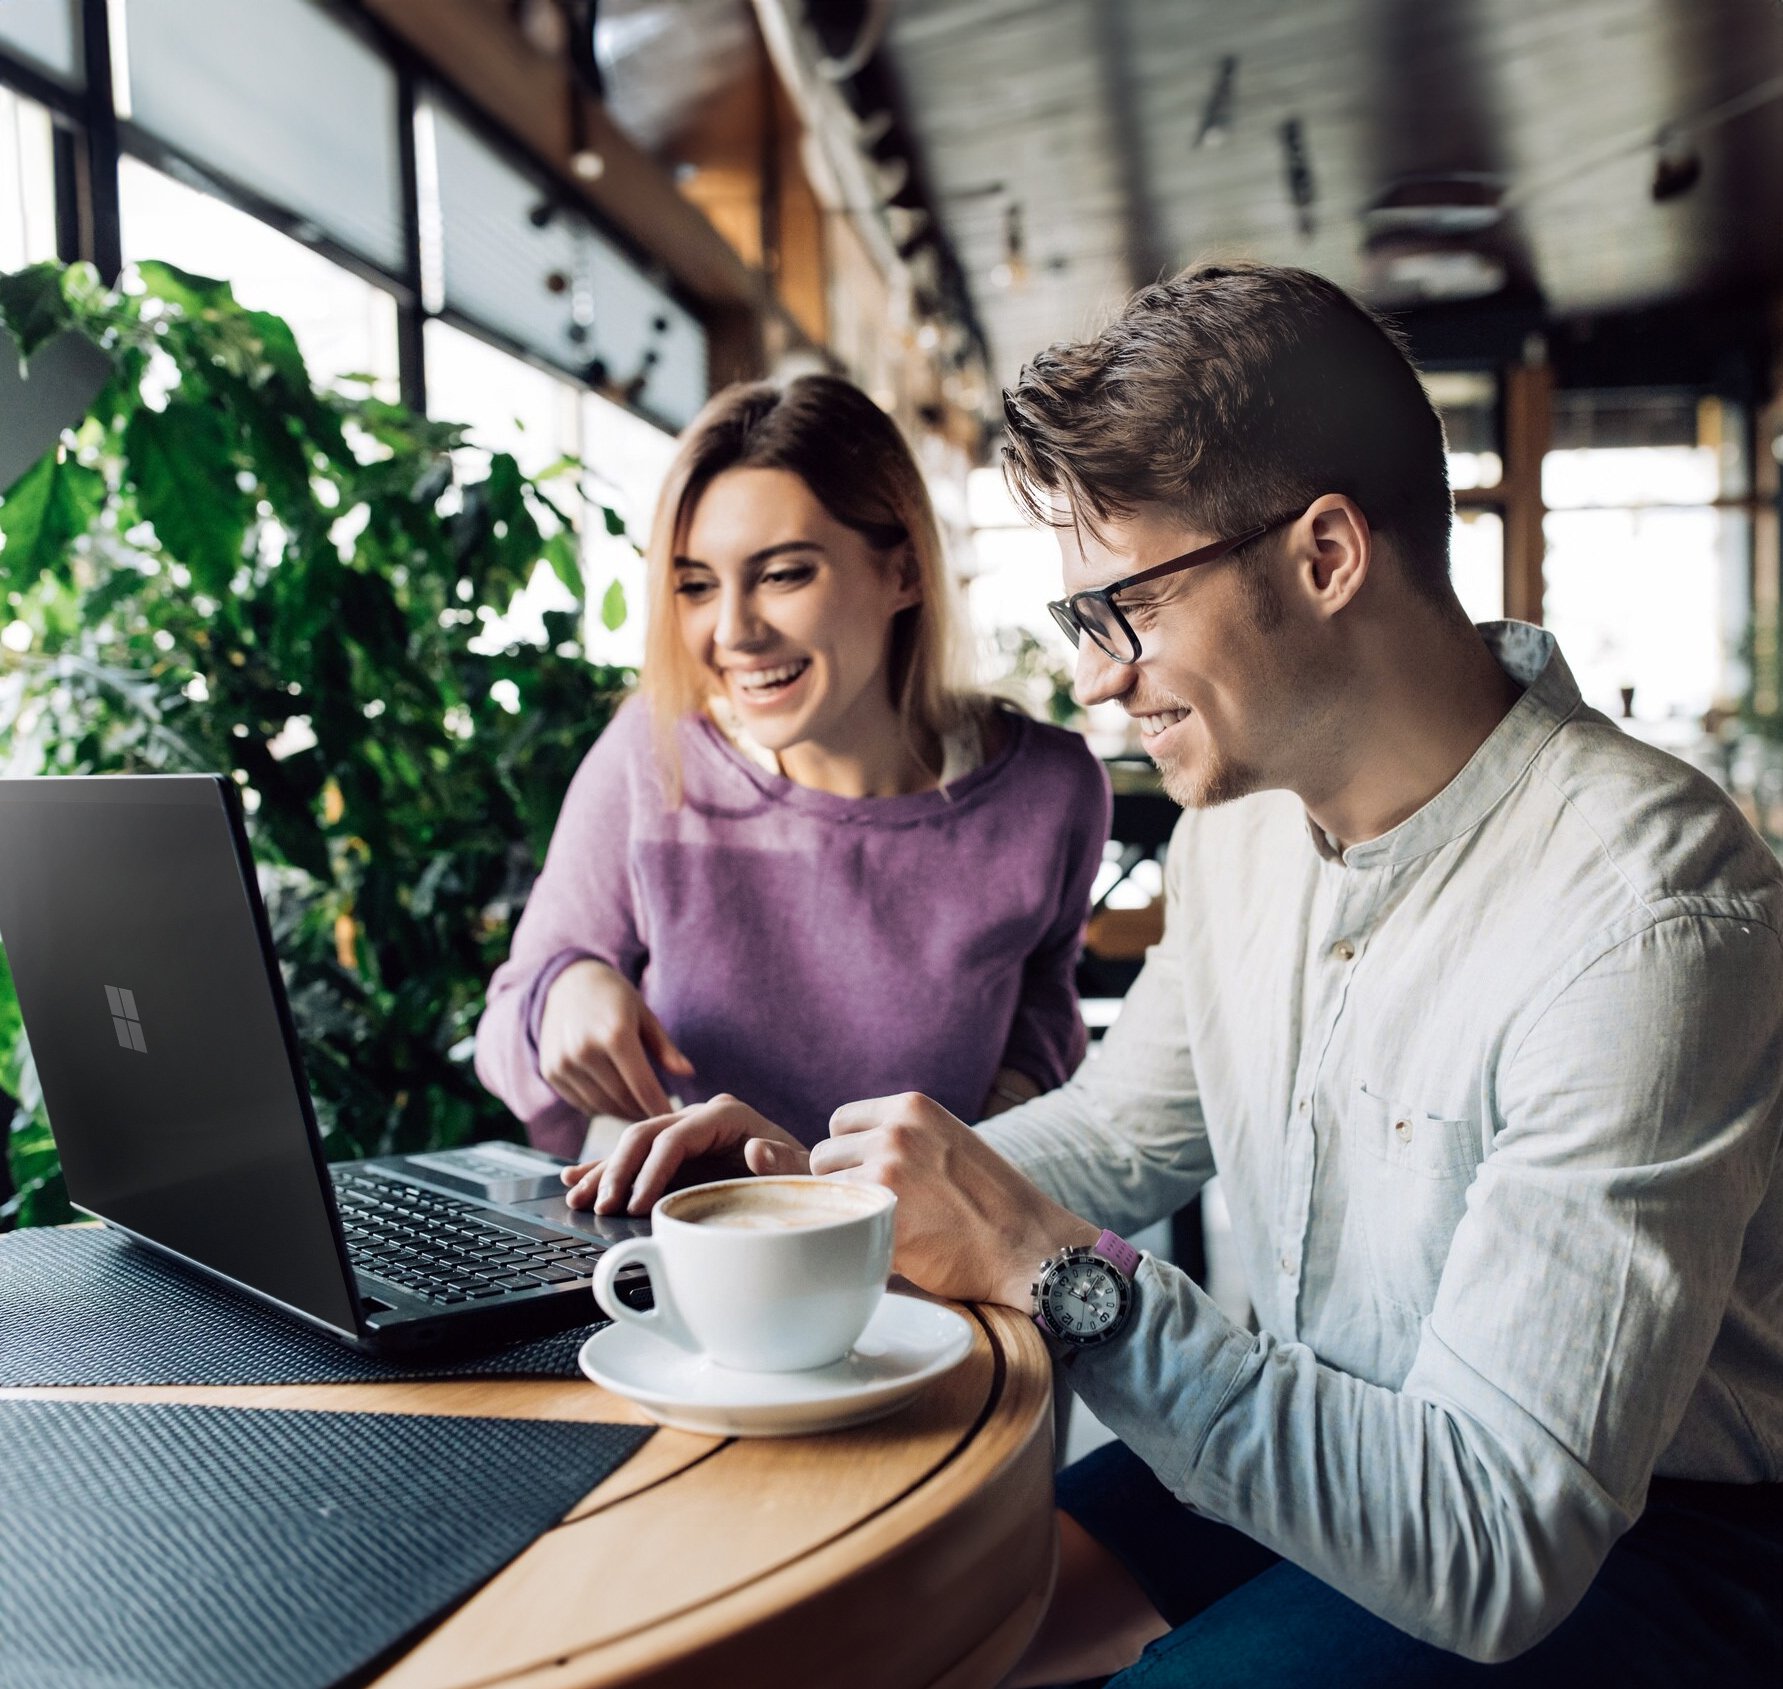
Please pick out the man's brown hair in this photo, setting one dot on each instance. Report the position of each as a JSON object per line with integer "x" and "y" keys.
{"x": 1230, "y": 394}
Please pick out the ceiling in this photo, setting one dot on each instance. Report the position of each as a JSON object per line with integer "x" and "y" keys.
{"x": 1081, "y": 118}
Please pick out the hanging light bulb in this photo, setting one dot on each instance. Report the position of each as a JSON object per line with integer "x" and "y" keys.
{"x": 1011, "y": 275}
{"x": 585, "y": 162}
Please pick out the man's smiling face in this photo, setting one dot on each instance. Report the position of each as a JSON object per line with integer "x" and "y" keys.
{"x": 1213, "y": 690}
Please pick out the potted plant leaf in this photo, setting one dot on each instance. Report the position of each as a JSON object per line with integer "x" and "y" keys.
{"x": 221, "y": 568}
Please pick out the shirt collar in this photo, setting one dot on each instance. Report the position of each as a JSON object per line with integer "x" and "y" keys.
{"x": 1530, "y": 657}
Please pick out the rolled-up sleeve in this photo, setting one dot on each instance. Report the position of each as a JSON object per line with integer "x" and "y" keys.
{"x": 1124, "y": 1140}
{"x": 1472, "y": 1506}
{"x": 582, "y": 905}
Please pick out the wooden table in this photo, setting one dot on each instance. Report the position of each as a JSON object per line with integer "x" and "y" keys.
{"x": 915, "y": 1551}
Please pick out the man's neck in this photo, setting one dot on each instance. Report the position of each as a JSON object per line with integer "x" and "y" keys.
{"x": 1432, "y": 702}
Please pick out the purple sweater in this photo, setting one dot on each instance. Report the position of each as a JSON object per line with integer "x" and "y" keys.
{"x": 806, "y": 950}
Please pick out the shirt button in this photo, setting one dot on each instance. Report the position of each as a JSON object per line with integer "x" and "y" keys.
{"x": 1287, "y": 1264}
{"x": 1343, "y": 950}
{"x": 1302, "y": 1105}
{"x": 1402, "y": 1129}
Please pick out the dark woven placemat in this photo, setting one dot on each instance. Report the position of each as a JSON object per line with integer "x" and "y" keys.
{"x": 84, "y": 1305}
{"x": 228, "y": 1548}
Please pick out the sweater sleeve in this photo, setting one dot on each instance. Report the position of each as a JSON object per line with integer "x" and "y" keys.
{"x": 581, "y": 906}
{"x": 1047, "y": 1039}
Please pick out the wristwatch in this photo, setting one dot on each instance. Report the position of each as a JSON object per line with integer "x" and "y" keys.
{"x": 1084, "y": 1295}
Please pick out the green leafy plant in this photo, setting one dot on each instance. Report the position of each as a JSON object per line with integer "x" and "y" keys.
{"x": 222, "y": 568}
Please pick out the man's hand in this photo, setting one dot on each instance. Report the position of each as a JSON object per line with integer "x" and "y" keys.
{"x": 597, "y": 1041}
{"x": 969, "y": 1225}
{"x": 650, "y": 1153}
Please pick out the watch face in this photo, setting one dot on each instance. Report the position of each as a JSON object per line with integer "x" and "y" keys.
{"x": 1084, "y": 1300}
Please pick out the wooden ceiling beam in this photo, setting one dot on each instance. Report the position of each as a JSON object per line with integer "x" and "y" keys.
{"x": 472, "y": 47}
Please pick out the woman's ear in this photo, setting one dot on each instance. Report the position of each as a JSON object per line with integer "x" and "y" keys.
{"x": 907, "y": 576}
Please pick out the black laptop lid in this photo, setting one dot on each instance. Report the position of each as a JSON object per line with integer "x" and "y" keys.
{"x": 138, "y": 946}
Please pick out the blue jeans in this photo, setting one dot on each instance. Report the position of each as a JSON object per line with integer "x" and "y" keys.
{"x": 1693, "y": 1594}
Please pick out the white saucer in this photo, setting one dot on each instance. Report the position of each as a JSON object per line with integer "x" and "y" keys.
{"x": 907, "y": 1343}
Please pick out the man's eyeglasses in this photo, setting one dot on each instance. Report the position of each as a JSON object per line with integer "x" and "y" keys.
{"x": 1096, "y": 613}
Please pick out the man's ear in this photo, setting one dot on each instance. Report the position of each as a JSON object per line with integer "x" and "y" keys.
{"x": 1335, "y": 549}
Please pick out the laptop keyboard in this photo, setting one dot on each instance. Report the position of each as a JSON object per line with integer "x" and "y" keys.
{"x": 445, "y": 1249}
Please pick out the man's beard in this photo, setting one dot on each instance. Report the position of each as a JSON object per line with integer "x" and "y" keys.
{"x": 1215, "y": 781}
{"x": 1218, "y": 778}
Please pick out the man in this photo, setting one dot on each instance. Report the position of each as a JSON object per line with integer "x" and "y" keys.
{"x": 1477, "y": 1007}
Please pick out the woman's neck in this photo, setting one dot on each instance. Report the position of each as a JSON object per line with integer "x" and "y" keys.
{"x": 886, "y": 768}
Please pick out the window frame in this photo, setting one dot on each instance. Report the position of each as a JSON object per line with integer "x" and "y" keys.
{"x": 91, "y": 139}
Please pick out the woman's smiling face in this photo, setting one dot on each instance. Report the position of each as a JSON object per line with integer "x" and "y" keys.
{"x": 789, "y": 612}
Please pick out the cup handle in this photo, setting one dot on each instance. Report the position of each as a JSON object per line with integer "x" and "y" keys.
{"x": 664, "y": 1319}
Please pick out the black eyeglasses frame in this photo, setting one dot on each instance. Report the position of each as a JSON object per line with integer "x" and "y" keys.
{"x": 1072, "y": 624}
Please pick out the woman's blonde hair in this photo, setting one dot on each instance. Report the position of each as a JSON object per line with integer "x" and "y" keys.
{"x": 850, "y": 454}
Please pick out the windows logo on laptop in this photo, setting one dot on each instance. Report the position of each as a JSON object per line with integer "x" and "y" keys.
{"x": 125, "y": 1021}
{"x": 202, "y": 1141}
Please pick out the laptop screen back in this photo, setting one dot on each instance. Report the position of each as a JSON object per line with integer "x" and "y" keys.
{"x": 133, "y": 929}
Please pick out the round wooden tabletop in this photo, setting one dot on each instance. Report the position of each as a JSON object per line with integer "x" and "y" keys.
{"x": 911, "y": 1552}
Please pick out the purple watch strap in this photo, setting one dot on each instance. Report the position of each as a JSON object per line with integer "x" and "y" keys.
{"x": 1117, "y": 1252}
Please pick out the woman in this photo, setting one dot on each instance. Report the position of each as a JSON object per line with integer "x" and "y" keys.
{"x": 801, "y": 867}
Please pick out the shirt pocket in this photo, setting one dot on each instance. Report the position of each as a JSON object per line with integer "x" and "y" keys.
{"x": 1410, "y": 1168}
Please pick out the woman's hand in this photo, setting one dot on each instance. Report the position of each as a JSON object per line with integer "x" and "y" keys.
{"x": 597, "y": 1041}
{"x": 649, "y": 1154}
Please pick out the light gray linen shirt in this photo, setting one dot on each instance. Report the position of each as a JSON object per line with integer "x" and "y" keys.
{"x": 1495, "y": 1102}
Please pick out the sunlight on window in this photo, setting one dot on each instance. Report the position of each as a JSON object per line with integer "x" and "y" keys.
{"x": 1016, "y": 571}
{"x": 27, "y": 184}
{"x": 1630, "y": 475}
{"x": 1635, "y": 599}
{"x": 1476, "y": 563}
{"x": 1645, "y": 584}
{"x": 540, "y": 419}
{"x": 343, "y": 324}
{"x": 628, "y": 458}
{"x": 509, "y": 405}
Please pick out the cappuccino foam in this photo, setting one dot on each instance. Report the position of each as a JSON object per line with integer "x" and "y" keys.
{"x": 774, "y": 1205}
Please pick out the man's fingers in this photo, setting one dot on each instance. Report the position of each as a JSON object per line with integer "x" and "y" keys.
{"x": 832, "y": 1155}
{"x": 768, "y": 1156}
{"x": 863, "y": 1116}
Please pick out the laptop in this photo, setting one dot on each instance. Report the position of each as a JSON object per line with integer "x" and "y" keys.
{"x": 131, "y": 917}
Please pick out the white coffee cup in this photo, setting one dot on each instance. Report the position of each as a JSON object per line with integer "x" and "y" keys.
{"x": 760, "y": 1274}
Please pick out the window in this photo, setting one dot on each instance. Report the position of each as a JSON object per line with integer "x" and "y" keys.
{"x": 45, "y": 33}
{"x": 1013, "y": 570}
{"x": 281, "y": 99}
{"x": 517, "y": 260}
{"x": 508, "y": 406}
{"x": 1467, "y": 401}
{"x": 344, "y": 325}
{"x": 1647, "y": 582}
{"x": 540, "y": 419}
{"x": 27, "y": 184}
{"x": 1476, "y": 562}
{"x": 629, "y": 458}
